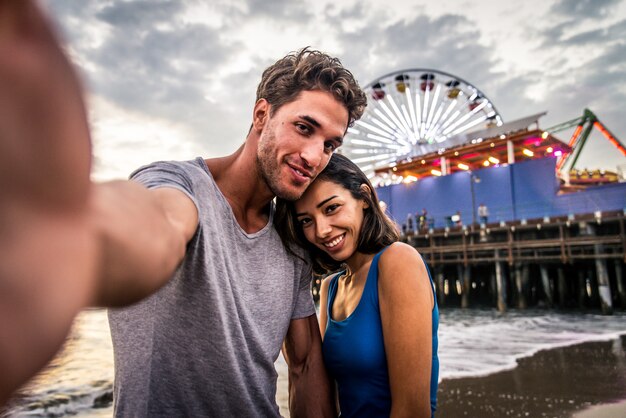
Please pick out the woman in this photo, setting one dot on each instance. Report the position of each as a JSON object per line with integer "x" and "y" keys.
{"x": 378, "y": 314}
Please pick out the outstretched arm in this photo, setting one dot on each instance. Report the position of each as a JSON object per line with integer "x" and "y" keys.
{"x": 65, "y": 243}
{"x": 310, "y": 390}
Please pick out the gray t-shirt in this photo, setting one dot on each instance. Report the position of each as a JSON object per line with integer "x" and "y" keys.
{"x": 205, "y": 344}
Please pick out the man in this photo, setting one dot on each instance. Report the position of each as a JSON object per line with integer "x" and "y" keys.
{"x": 204, "y": 344}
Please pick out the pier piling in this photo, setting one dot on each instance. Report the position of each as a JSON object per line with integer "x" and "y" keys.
{"x": 619, "y": 278}
{"x": 441, "y": 295}
{"x": 545, "y": 281}
{"x": 521, "y": 284}
{"x": 582, "y": 291}
{"x": 562, "y": 287}
{"x": 604, "y": 288}
{"x": 500, "y": 285}
{"x": 467, "y": 285}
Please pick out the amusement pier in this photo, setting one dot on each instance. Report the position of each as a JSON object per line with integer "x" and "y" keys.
{"x": 499, "y": 210}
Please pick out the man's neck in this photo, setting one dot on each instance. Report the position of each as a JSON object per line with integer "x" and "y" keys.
{"x": 238, "y": 179}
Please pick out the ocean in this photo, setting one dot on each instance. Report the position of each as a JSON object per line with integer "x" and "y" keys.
{"x": 78, "y": 382}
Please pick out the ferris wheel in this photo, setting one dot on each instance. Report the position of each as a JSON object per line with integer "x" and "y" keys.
{"x": 415, "y": 112}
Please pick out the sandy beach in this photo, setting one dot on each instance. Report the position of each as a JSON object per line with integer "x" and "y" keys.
{"x": 581, "y": 381}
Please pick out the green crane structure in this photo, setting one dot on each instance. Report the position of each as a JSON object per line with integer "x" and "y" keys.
{"x": 584, "y": 124}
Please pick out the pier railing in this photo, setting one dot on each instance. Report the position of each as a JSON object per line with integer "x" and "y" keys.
{"x": 559, "y": 239}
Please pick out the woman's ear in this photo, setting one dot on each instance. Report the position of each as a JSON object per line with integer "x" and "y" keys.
{"x": 366, "y": 192}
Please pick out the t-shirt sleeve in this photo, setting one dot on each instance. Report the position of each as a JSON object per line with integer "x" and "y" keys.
{"x": 304, "y": 306}
{"x": 166, "y": 174}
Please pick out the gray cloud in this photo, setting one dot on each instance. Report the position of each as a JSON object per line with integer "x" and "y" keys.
{"x": 447, "y": 43}
{"x": 150, "y": 60}
{"x": 139, "y": 14}
{"x": 280, "y": 9}
{"x": 584, "y": 8}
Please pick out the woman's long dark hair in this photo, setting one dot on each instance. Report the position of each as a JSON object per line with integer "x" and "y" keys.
{"x": 377, "y": 230}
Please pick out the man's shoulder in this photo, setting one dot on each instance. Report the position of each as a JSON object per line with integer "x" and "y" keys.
{"x": 172, "y": 166}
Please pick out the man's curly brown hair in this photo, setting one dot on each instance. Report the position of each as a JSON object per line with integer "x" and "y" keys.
{"x": 307, "y": 70}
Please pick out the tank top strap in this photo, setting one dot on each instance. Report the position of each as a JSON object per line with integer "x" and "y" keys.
{"x": 332, "y": 291}
{"x": 370, "y": 292}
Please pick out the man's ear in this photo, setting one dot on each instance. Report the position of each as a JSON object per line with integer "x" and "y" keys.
{"x": 261, "y": 114}
{"x": 366, "y": 191}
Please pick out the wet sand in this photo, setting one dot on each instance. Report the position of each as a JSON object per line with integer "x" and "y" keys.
{"x": 552, "y": 383}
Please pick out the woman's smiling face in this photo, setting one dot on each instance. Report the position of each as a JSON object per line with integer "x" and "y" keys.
{"x": 331, "y": 218}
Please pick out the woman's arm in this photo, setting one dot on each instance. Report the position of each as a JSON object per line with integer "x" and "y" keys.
{"x": 406, "y": 303}
{"x": 324, "y": 305}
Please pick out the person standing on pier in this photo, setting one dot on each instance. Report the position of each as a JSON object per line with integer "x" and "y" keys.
{"x": 378, "y": 314}
{"x": 423, "y": 220}
{"x": 198, "y": 233}
{"x": 483, "y": 213}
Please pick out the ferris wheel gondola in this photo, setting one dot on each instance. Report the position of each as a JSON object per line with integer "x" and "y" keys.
{"x": 414, "y": 112}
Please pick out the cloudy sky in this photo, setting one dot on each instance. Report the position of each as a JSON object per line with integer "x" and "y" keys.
{"x": 174, "y": 79}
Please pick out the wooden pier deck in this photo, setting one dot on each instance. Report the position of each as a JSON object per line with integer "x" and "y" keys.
{"x": 575, "y": 260}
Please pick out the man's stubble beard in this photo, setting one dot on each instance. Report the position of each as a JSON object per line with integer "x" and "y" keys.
{"x": 269, "y": 168}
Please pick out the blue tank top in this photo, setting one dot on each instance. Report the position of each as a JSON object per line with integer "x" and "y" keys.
{"x": 354, "y": 353}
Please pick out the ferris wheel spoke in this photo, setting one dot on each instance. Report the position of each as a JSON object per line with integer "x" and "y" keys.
{"x": 409, "y": 101}
{"x": 426, "y": 104}
{"x": 399, "y": 116}
{"x": 418, "y": 108}
{"x": 470, "y": 125}
{"x": 452, "y": 105}
{"x": 405, "y": 113}
{"x": 433, "y": 106}
{"x": 434, "y": 126}
{"x": 466, "y": 117}
{"x": 378, "y": 157}
{"x": 388, "y": 124}
{"x": 389, "y": 117}
{"x": 376, "y": 130}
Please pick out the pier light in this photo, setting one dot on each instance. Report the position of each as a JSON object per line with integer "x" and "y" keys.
{"x": 549, "y": 149}
{"x": 486, "y": 163}
{"x": 435, "y": 172}
{"x": 502, "y": 136}
{"x": 494, "y": 160}
{"x": 527, "y": 152}
{"x": 423, "y": 161}
{"x": 492, "y": 145}
{"x": 395, "y": 169}
{"x": 459, "y": 288}
{"x": 558, "y": 153}
{"x": 463, "y": 166}
{"x": 545, "y": 134}
{"x": 456, "y": 153}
